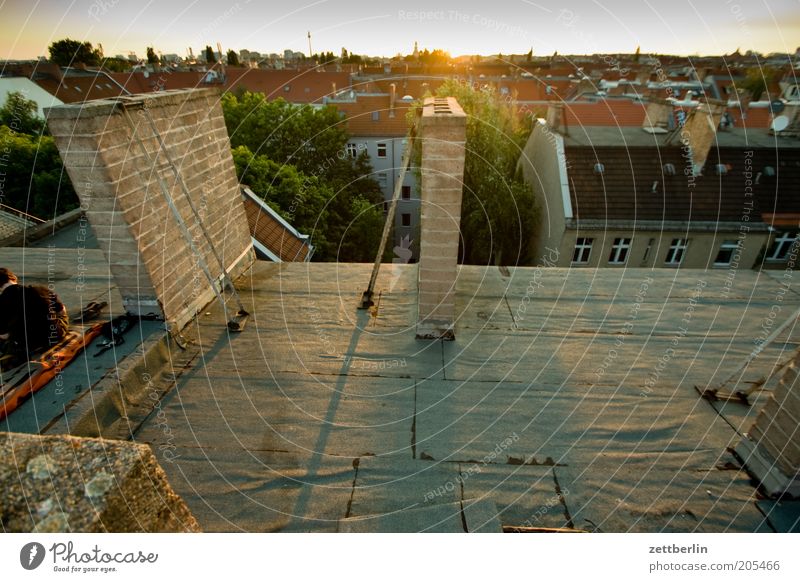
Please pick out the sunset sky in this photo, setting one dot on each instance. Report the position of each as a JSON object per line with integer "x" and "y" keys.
{"x": 385, "y": 28}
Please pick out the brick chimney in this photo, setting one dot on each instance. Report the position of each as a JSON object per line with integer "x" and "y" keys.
{"x": 392, "y": 98}
{"x": 555, "y": 117}
{"x": 443, "y": 135}
{"x": 771, "y": 449}
{"x": 120, "y": 188}
{"x": 701, "y": 130}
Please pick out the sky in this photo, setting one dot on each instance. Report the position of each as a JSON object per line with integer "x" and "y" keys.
{"x": 382, "y": 28}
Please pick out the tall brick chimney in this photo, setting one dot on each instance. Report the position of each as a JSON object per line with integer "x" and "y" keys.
{"x": 443, "y": 135}
{"x": 156, "y": 264}
{"x": 771, "y": 449}
{"x": 658, "y": 116}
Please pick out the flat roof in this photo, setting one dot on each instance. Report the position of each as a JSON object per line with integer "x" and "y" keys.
{"x": 566, "y": 400}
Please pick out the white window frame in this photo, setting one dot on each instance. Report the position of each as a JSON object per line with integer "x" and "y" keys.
{"x": 677, "y": 250}
{"x": 621, "y": 247}
{"x": 352, "y": 150}
{"x": 582, "y": 245}
{"x": 384, "y": 147}
{"x": 728, "y": 245}
{"x": 780, "y": 243}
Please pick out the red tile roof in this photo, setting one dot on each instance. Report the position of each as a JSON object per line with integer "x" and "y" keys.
{"x": 359, "y": 116}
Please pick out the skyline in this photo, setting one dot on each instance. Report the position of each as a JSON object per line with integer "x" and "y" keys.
{"x": 380, "y": 28}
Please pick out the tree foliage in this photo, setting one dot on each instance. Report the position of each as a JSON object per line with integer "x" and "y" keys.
{"x": 498, "y": 210}
{"x": 35, "y": 180}
{"x": 232, "y": 58}
{"x": 20, "y": 114}
{"x": 151, "y": 56}
{"x": 210, "y": 58}
{"x": 312, "y": 142}
{"x": 68, "y": 52}
{"x": 759, "y": 79}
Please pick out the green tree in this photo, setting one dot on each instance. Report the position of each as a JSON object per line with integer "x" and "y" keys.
{"x": 68, "y": 52}
{"x": 314, "y": 142}
{"x": 299, "y": 198}
{"x": 20, "y": 114}
{"x": 498, "y": 210}
{"x": 232, "y": 58}
{"x": 35, "y": 180}
{"x": 637, "y": 55}
{"x": 759, "y": 79}
{"x": 210, "y": 58}
{"x": 151, "y": 56}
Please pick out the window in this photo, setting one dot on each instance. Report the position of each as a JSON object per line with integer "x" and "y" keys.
{"x": 352, "y": 150}
{"x": 583, "y": 248}
{"x": 781, "y": 246}
{"x": 376, "y": 116}
{"x": 382, "y": 179}
{"x": 381, "y": 150}
{"x": 619, "y": 251}
{"x": 406, "y": 192}
{"x": 676, "y": 251}
{"x": 725, "y": 254}
{"x": 406, "y": 219}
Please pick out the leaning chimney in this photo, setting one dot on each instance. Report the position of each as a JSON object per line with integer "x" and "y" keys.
{"x": 700, "y": 130}
{"x": 770, "y": 449}
{"x": 443, "y": 135}
{"x": 138, "y": 164}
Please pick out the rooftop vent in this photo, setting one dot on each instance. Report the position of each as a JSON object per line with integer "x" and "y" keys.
{"x": 599, "y": 168}
{"x": 669, "y": 169}
{"x": 769, "y": 171}
{"x": 721, "y": 169}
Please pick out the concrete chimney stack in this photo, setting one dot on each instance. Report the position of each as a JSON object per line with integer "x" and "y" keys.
{"x": 771, "y": 448}
{"x": 443, "y": 127}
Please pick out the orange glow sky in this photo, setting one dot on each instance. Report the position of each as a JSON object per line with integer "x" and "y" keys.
{"x": 386, "y": 28}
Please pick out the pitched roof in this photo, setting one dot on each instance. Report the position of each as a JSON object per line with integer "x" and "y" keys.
{"x": 634, "y": 184}
{"x": 273, "y": 237}
{"x": 373, "y": 115}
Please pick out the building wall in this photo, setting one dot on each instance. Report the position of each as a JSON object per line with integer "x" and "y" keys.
{"x": 151, "y": 258}
{"x": 539, "y": 164}
{"x": 390, "y": 168}
{"x": 700, "y": 253}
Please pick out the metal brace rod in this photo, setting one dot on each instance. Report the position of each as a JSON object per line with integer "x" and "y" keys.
{"x": 366, "y": 298}
{"x": 174, "y": 209}
{"x": 187, "y": 195}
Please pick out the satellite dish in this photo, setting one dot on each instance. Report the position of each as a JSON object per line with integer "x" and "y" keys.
{"x": 779, "y": 123}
